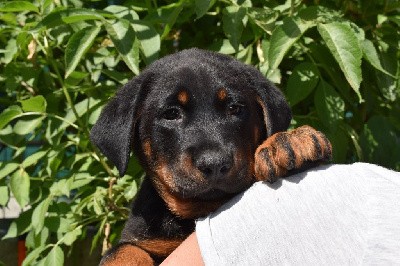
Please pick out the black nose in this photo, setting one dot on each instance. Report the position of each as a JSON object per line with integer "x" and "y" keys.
{"x": 213, "y": 164}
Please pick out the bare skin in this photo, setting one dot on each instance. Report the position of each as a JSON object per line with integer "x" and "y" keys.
{"x": 188, "y": 253}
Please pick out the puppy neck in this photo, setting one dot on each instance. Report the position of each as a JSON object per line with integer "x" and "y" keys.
{"x": 185, "y": 208}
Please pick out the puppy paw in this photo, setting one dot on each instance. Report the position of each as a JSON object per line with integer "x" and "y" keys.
{"x": 298, "y": 149}
{"x": 127, "y": 255}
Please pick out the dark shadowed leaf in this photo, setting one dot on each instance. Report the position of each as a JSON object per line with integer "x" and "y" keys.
{"x": 329, "y": 105}
{"x": 77, "y": 46}
{"x": 303, "y": 80}
{"x": 233, "y": 22}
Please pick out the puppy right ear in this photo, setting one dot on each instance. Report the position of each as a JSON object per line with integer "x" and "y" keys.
{"x": 113, "y": 133}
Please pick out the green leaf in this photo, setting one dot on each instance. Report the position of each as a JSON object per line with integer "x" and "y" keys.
{"x": 301, "y": 82}
{"x": 33, "y": 159}
{"x": 62, "y": 187}
{"x": 19, "y": 185}
{"x": 81, "y": 108}
{"x": 263, "y": 17}
{"x": 20, "y": 225}
{"x": 380, "y": 143}
{"x": 130, "y": 191}
{"x": 371, "y": 55}
{"x": 23, "y": 127}
{"x": 387, "y": 84}
{"x": 4, "y": 195}
{"x": 233, "y": 22}
{"x": 9, "y": 114}
{"x": 150, "y": 42}
{"x": 10, "y": 51}
{"x": 77, "y": 46}
{"x": 176, "y": 10}
{"x": 329, "y": 105}
{"x": 72, "y": 15}
{"x": 55, "y": 257}
{"x": 39, "y": 214}
{"x": 7, "y": 168}
{"x": 283, "y": 37}
{"x": 343, "y": 43}
{"x": 18, "y": 6}
{"x": 70, "y": 237}
{"x": 33, "y": 255}
{"x": 34, "y": 104}
{"x": 122, "y": 12}
{"x": 201, "y": 7}
{"x": 124, "y": 39}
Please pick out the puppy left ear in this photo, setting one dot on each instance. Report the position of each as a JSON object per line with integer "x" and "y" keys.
{"x": 113, "y": 133}
{"x": 276, "y": 110}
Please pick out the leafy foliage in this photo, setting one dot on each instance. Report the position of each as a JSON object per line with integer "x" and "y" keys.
{"x": 337, "y": 62}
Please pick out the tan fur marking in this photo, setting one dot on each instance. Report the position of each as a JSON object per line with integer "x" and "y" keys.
{"x": 189, "y": 169}
{"x": 128, "y": 255}
{"x": 265, "y": 112}
{"x": 186, "y": 208}
{"x": 147, "y": 148}
{"x": 222, "y": 94}
{"x": 160, "y": 247}
{"x": 183, "y": 97}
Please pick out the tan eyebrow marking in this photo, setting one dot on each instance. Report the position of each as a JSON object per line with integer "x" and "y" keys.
{"x": 183, "y": 97}
{"x": 222, "y": 94}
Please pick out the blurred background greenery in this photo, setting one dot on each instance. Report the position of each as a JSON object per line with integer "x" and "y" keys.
{"x": 337, "y": 61}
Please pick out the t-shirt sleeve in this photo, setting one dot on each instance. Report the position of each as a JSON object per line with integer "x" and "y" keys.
{"x": 325, "y": 215}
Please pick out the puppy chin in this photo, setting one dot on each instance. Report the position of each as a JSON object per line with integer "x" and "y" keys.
{"x": 211, "y": 191}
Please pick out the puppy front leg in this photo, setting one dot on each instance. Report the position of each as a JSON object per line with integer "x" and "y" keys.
{"x": 126, "y": 254}
{"x": 298, "y": 149}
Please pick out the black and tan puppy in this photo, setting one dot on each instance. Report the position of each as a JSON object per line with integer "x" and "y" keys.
{"x": 205, "y": 127}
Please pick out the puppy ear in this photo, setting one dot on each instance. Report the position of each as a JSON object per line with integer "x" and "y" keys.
{"x": 113, "y": 133}
{"x": 277, "y": 113}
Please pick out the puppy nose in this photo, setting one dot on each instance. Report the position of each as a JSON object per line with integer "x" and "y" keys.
{"x": 214, "y": 164}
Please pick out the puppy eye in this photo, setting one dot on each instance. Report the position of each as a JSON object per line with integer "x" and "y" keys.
{"x": 235, "y": 109}
{"x": 172, "y": 113}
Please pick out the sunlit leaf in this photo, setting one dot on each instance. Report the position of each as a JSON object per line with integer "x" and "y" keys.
{"x": 124, "y": 39}
{"x": 18, "y": 6}
{"x": 25, "y": 126}
{"x": 39, "y": 214}
{"x": 55, "y": 257}
{"x": 4, "y": 195}
{"x": 70, "y": 237}
{"x": 19, "y": 185}
{"x": 150, "y": 42}
{"x": 7, "y": 168}
{"x": 34, "y": 104}
{"x": 344, "y": 45}
{"x": 9, "y": 114}
{"x": 283, "y": 37}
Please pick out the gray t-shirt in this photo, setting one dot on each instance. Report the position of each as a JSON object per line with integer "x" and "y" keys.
{"x": 330, "y": 215}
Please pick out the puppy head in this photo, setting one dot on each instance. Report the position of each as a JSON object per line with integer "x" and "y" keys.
{"x": 194, "y": 119}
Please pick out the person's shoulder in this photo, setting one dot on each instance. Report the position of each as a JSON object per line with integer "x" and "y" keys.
{"x": 331, "y": 176}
